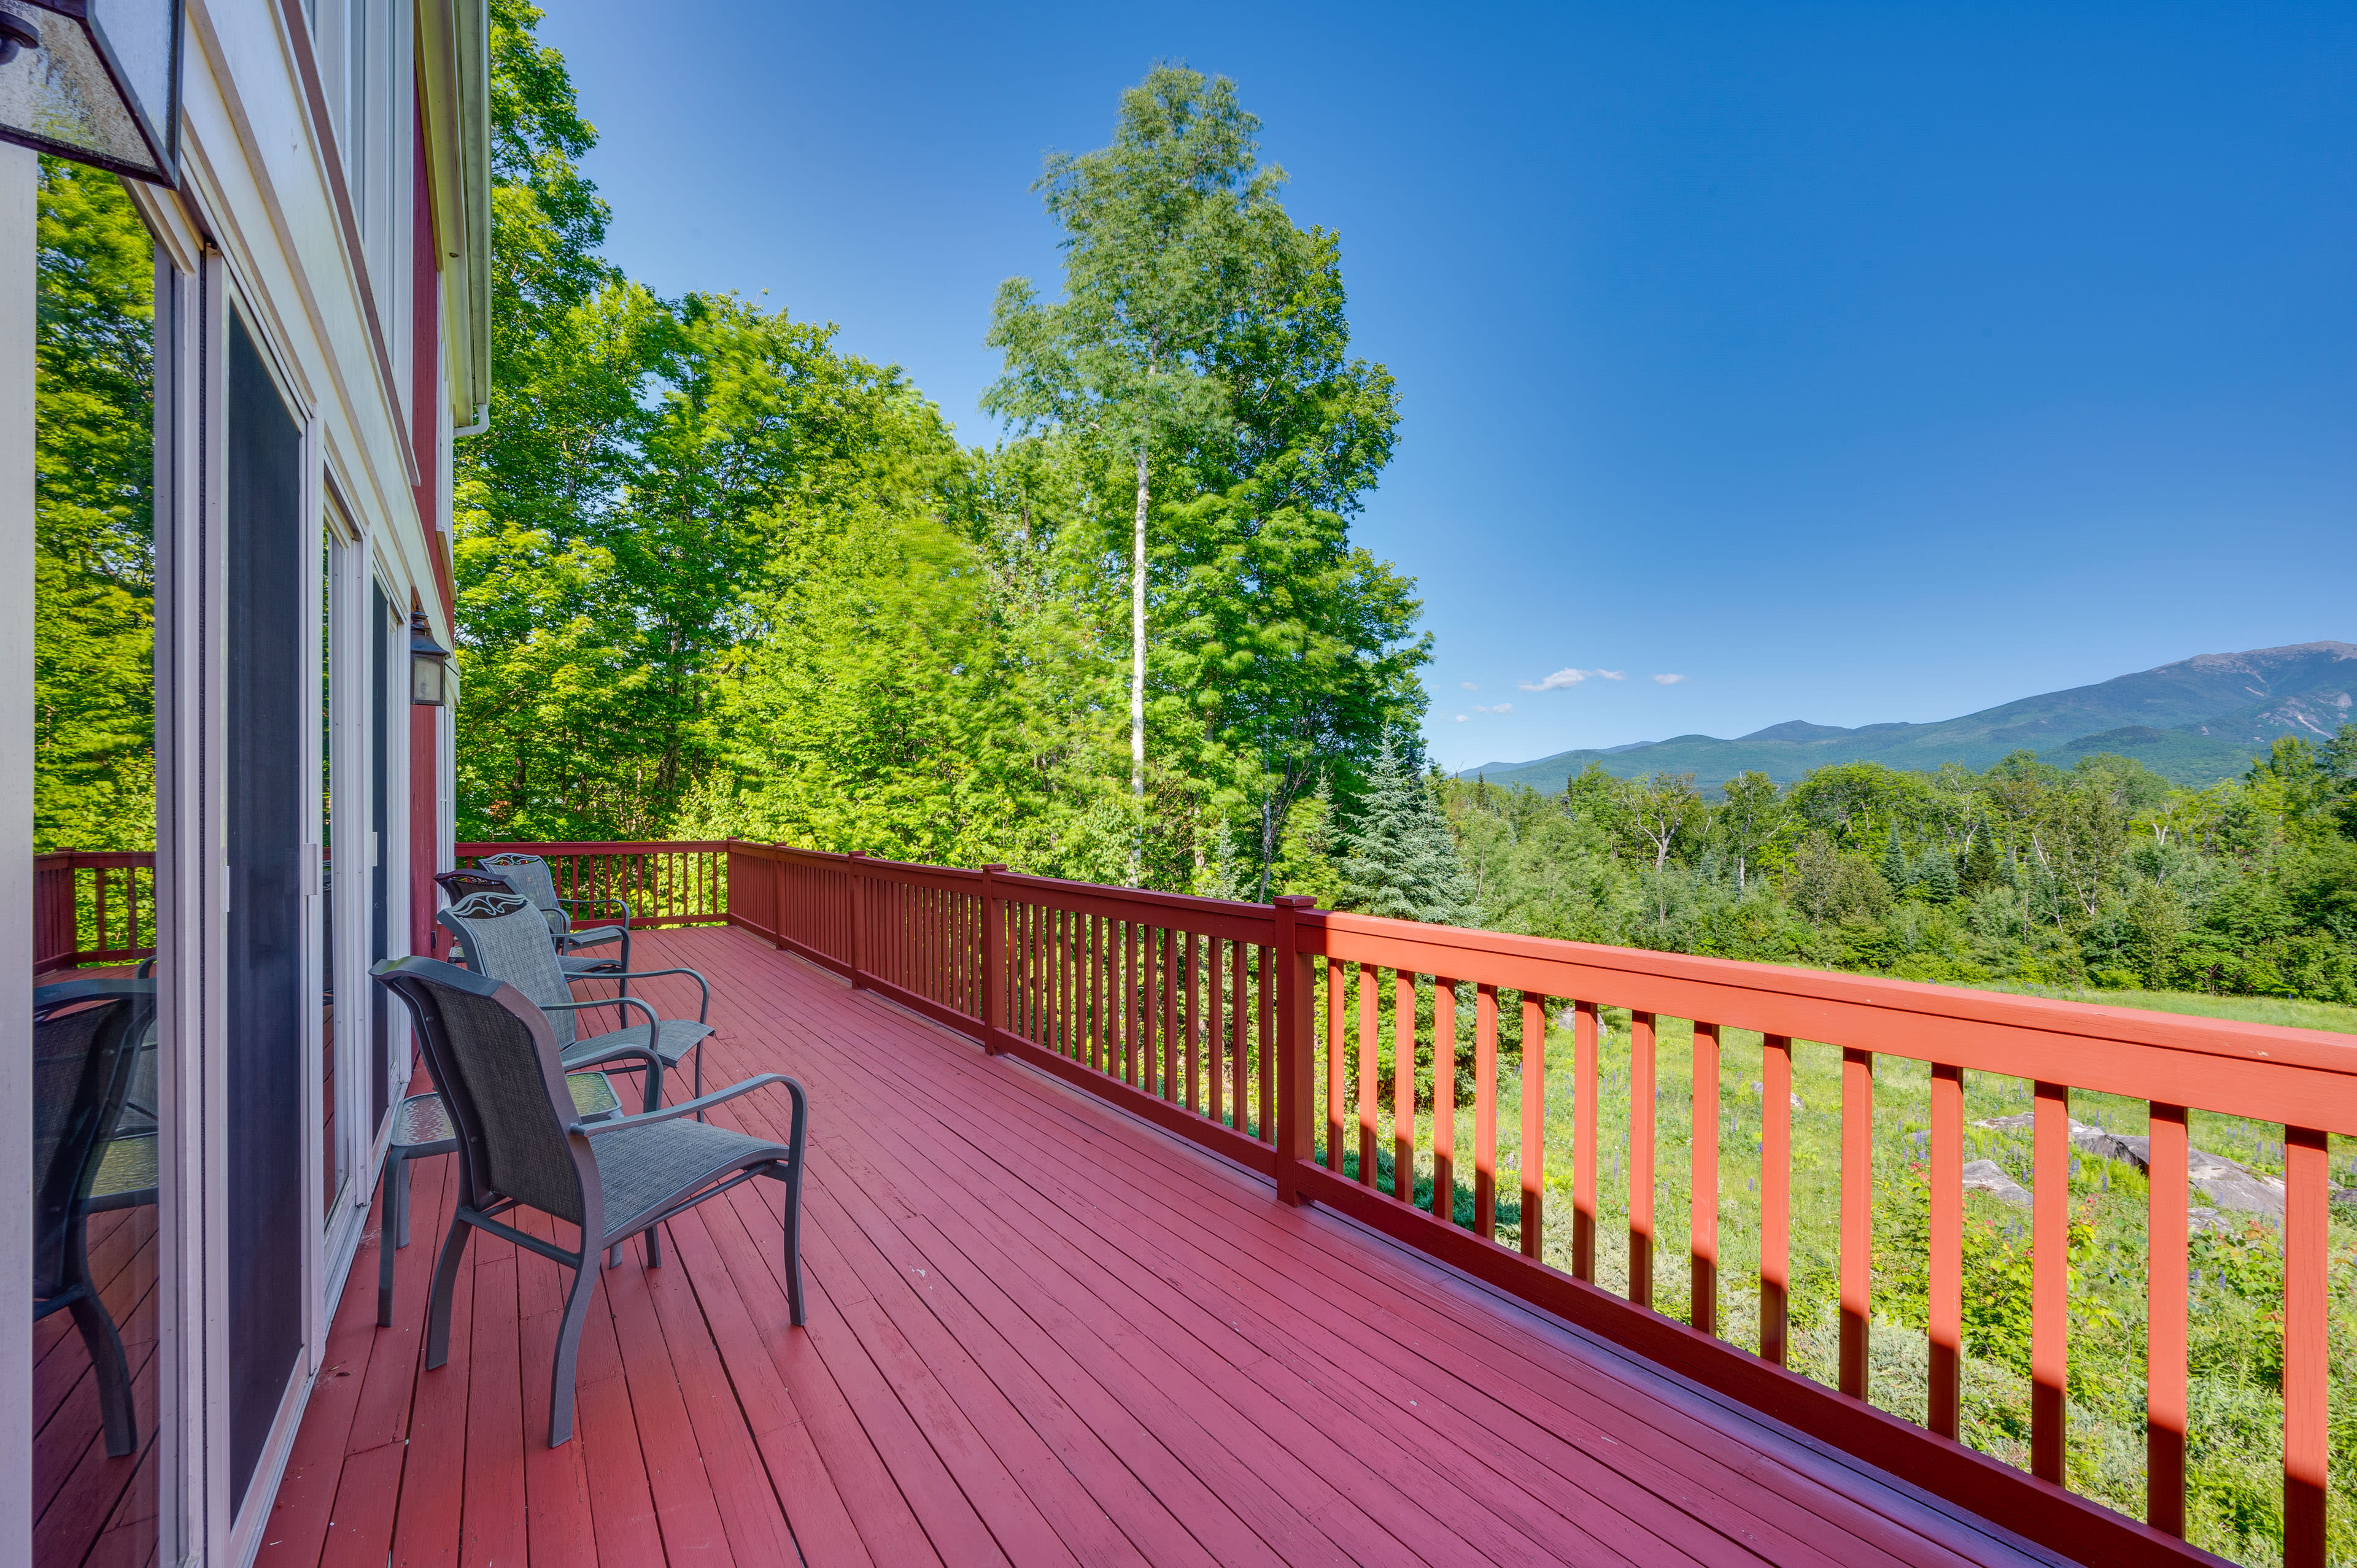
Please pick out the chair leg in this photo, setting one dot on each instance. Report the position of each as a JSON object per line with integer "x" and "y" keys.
{"x": 105, "y": 1346}
{"x": 654, "y": 1246}
{"x": 445, "y": 1285}
{"x": 393, "y": 1162}
{"x": 113, "y": 1374}
{"x": 568, "y": 1349}
{"x": 699, "y": 1075}
{"x": 400, "y": 1199}
{"x": 793, "y": 1180}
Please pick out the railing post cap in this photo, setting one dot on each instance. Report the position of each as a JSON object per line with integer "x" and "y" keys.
{"x": 995, "y": 865}
{"x": 1294, "y": 901}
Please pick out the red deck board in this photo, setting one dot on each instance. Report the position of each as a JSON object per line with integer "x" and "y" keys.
{"x": 1012, "y": 1389}
{"x": 1304, "y": 1342}
{"x": 1117, "y": 1349}
{"x": 1356, "y": 1455}
{"x": 494, "y": 1520}
{"x": 1786, "y": 1538}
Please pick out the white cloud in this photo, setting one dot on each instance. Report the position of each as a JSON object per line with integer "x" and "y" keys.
{"x": 1460, "y": 718}
{"x": 1499, "y": 708}
{"x": 1469, "y": 685}
{"x": 1561, "y": 678}
{"x": 1668, "y": 679}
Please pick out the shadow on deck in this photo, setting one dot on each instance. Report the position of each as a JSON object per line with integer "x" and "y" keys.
{"x": 1040, "y": 1332}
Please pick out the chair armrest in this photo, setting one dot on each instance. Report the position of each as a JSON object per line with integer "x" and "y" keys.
{"x": 654, "y": 1024}
{"x": 691, "y": 1108}
{"x": 621, "y": 904}
{"x": 701, "y": 1012}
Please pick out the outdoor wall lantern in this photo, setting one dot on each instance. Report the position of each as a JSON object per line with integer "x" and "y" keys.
{"x": 96, "y": 81}
{"x": 429, "y": 664}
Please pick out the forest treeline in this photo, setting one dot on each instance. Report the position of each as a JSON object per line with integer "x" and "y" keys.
{"x": 2105, "y": 875}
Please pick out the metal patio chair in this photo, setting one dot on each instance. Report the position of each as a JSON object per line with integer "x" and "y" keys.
{"x": 529, "y": 874}
{"x": 89, "y": 1036}
{"x": 467, "y": 881}
{"x": 505, "y": 938}
{"x": 421, "y": 1128}
{"x": 521, "y": 1145}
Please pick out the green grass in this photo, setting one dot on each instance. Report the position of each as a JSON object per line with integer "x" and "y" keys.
{"x": 2235, "y": 1444}
{"x": 2280, "y": 1011}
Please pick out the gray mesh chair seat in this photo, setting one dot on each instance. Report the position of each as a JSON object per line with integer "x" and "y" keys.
{"x": 421, "y": 1127}
{"x": 505, "y": 938}
{"x": 88, "y": 1039}
{"x": 524, "y": 1144}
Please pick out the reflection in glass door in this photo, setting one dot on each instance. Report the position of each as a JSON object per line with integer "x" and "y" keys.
{"x": 330, "y": 1151}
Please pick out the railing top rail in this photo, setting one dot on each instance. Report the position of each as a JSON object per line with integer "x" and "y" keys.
{"x": 1180, "y": 910}
{"x": 602, "y": 846}
{"x": 103, "y": 858}
{"x": 2302, "y": 1076}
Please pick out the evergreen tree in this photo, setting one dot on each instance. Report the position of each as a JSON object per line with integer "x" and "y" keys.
{"x": 1895, "y": 869}
{"x": 1936, "y": 875}
{"x": 1401, "y": 858}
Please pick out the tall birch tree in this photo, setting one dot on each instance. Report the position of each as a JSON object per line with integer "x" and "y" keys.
{"x": 1174, "y": 245}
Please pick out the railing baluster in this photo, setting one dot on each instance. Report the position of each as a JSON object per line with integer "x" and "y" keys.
{"x": 1145, "y": 984}
{"x": 1370, "y": 1058}
{"x": 1171, "y": 1049}
{"x": 1775, "y": 1194}
{"x": 2166, "y": 1264}
{"x": 1240, "y": 1025}
{"x": 2049, "y": 1279}
{"x": 1530, "y": 1162}
{"x": 1584, "y": 1136}
{"x": 1857, "y": 1217}
{"x": 1403, "y": 1086}
{"x": 1944, "y": 1278}
{"x": 1485, "y": 1111}
{"x": 1194, "y": 956}
{"x": 2307, "y": 1369}
{"x": 1703, "y": 1212}
{"x": 1337, "y": 1062}
{"x": 1643, "y": 1110}
{"x": 1444, "y": 1099}
{"x": 1267, "y": 1121}
{"x": 1215, "y": 1047}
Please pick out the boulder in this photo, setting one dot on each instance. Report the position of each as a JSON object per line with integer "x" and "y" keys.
{"x": 1988, "y": 1176}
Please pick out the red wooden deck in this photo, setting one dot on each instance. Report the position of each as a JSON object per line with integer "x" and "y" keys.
{"x": 1040, "y": 1331}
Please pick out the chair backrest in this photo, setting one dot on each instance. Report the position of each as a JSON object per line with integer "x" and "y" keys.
{"x": 499, "y": 1071}
{"x": 529, "y": 874}
{"x": 85, "y": 1046}
{"x": 506, "y": 938}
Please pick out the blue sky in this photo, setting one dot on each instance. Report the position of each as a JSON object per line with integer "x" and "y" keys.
{"x": 1851, "y": 363}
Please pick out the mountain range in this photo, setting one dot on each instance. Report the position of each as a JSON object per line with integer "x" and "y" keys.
{"x": 2194, "y": 723}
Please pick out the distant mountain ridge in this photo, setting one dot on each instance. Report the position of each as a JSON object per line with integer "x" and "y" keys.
{"x": 2193, "y": 721}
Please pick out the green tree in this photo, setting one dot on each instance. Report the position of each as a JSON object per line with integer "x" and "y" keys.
{"x": 1753, "y": 816}
{"x": 1200, "y": 348}
{"x": 94, "y": 623}
{"x": 1400, "y": 859}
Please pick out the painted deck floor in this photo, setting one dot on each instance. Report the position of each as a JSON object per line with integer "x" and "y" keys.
{"x": 1040, "y": 1332}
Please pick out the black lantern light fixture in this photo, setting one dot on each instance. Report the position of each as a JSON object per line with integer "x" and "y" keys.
{"x": 95, "y": 82}
{"x": 429, "y": 665}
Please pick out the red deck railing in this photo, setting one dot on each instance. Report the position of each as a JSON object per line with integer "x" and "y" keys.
{"x": 92, "y": 908}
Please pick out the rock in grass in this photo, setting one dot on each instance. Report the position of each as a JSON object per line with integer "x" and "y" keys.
{"x": 1988, "y": 1176}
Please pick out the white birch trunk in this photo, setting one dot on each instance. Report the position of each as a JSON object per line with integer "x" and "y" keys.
{"x": 1137, "y": 673}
